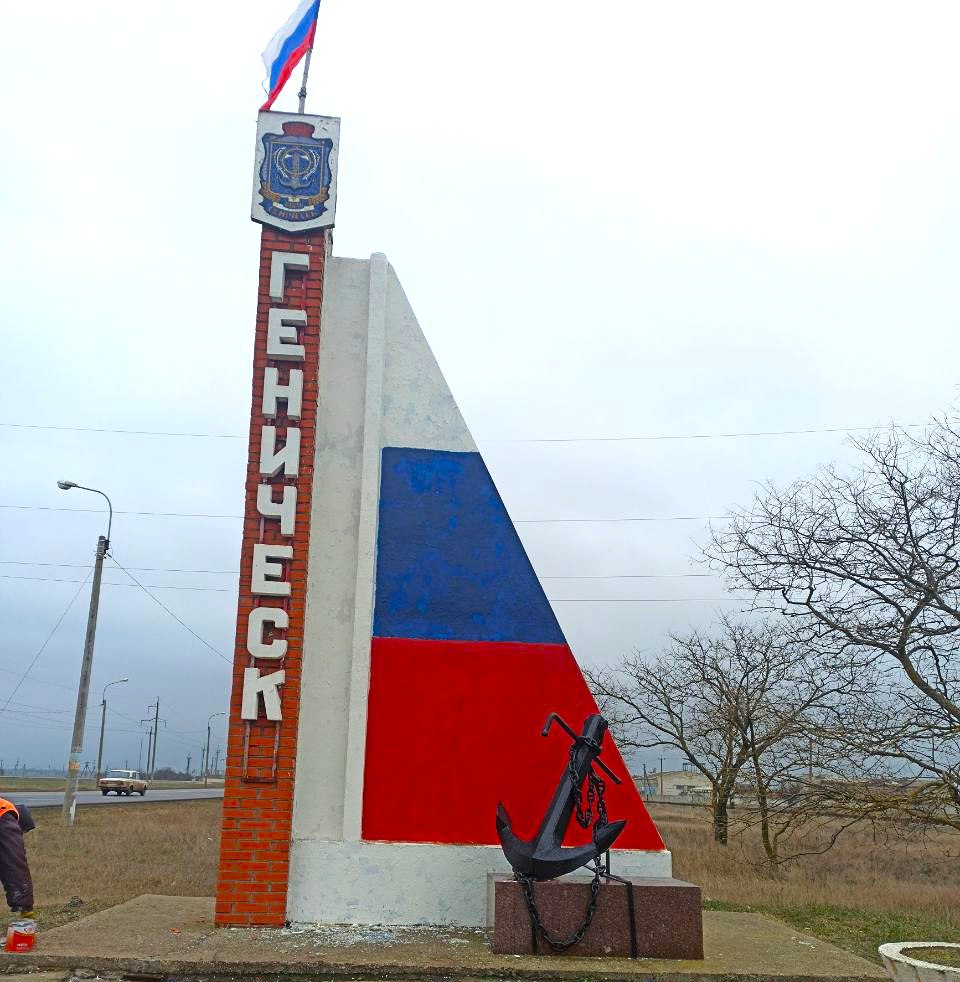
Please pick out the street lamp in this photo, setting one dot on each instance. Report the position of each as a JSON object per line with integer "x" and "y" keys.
{"x": 80, "y": 718}
{"x": 67, "y": 485}
{"x": 103, "y": 723}
{"x": 206, "y": 756}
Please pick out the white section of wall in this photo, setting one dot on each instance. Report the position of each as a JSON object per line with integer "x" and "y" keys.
{"x": 366, "y": 549}
{"x": 334, "y": 530}
{"x": 418, "y": 407}
{"x": 410, "y": 883}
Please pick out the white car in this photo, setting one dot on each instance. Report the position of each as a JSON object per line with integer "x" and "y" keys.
{"x": 122, "y": 782}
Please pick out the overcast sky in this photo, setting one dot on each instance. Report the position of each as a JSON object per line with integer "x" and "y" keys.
{"x": 613, "y": 219}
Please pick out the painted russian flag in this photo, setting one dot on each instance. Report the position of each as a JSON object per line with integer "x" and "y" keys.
{"x": 288, "y": 46}
{"x": 467, "y": 661}
{"x": 467, "y": 658}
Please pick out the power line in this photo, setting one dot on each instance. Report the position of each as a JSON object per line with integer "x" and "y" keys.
{"x": 517, "y": 521}
{"x": 570, "y": 439}
{"x": 236, "y": 572}
{"x": 52, "y": 726}
{"x": 187, "y": 737}
{"x": 104, "y": 429}
{"x": 139, "y": 569}
{"x": 49, "y": 637}
{"x": 34, "y": 678}
{"x": 645, "y": 518}
{"x": 629, "y": 576}
{"x": 153, "y": 586}
{"x": 176, "y": 712}
{"x": 101, "y": 511}
{"x": 692, "y": 436}
{"x": 41, "y": 714}
{"x": 665, "y": 600}
{"x": 39, "y": 709}
{"x": 209, "y": 589}
{"x": 160, "y": 603}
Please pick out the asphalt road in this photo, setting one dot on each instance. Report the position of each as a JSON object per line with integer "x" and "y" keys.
{"x": 37, "y": 799}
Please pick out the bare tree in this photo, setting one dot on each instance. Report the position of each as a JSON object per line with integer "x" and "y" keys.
{"x": 794, "y": 792}
{"x": 866, "y": 566}
{"x": 726, "y": 700}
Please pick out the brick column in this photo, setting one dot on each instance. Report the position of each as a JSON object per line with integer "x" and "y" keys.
{"x": 261, "y": 753}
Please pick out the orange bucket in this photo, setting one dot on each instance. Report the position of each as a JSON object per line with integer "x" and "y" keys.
{"x": 21, "y": 936}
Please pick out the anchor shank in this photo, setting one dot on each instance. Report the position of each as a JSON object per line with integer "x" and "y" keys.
{"x": 553, "y": 828}
{"x": 545, "y": 857}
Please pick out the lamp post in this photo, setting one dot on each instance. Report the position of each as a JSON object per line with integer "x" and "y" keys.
{"x": 103, "y": 723}
{"x": 80, "y": 718}
{"x": 206, "y": 756}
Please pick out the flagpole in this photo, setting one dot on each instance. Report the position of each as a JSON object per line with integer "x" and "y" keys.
{"x": 303, "y": 86}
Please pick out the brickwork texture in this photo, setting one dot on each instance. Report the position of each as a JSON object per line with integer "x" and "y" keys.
{"x": 261, "y": 754}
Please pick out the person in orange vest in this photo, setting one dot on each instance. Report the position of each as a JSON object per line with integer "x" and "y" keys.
{"x": 15, "y": 822}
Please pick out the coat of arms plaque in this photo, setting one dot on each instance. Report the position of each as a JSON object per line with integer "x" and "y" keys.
{"x": 294, "y": 183}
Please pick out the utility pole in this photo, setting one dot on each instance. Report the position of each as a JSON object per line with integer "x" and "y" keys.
{"x": 152, "y": 759}
{"x": 86, "y": 667}
{"x": 140, "y": 767}
{"x": 661, "y": 778}
{"x": 216, "y": 763}
{"x": 80, "y": 716}
{"x": 206, "y": 756}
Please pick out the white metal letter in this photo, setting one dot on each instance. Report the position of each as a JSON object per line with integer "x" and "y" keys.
{"x": 280, "y": 262}
{"x": 287, "y": 459}
{"x": 273, "y": 391}
{"x": 263, "y": 581}
{"x": 285, "y": 509}
{"x": 282, "y": 334}
{"x": 255, "y": 685}
{"x": 260, "y": 618}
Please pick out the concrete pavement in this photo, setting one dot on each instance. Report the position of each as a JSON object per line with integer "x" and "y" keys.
{"x": 174, "y": 937}
{"x": 39, "y": 799}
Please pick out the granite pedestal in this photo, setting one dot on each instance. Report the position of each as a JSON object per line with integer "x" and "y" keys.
{"x": 666, "y": 914}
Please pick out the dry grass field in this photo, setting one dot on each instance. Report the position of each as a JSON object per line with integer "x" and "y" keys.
{"x": 864, "y": 891}
{"x": 115, "y": 853}
{"x": 858, "y": 895}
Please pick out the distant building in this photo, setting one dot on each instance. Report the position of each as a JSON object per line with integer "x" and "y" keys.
{"x": 673, "y": 784}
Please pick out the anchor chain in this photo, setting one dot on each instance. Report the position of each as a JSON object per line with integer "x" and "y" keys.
{"x": 559, "y": 944}
{"x": 595, "y": 797}
{"x": 595, "y": 789}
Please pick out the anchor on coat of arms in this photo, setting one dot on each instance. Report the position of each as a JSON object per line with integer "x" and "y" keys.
{"x": 295, "y": 175}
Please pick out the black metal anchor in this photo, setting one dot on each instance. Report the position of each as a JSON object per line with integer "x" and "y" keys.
{"x": 544, "y": 857}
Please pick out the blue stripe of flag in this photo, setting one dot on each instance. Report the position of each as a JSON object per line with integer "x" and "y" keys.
{"x": 294, "y": 41}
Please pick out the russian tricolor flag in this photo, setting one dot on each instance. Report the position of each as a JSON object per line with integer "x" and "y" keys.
{"x": 288, "y": 46}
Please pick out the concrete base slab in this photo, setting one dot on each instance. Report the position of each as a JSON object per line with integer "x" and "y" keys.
{"x": 36, "y": 977}
{"x": 175, "y": 936}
